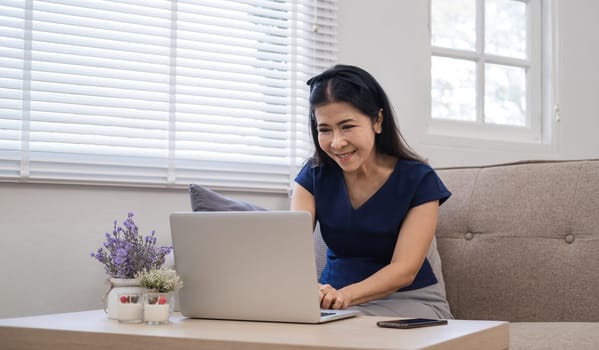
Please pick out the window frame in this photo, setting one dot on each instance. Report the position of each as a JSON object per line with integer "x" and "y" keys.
{"x": 541, "y": 85}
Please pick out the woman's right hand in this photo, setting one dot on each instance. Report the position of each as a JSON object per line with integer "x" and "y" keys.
{"x": 331, "y": 298}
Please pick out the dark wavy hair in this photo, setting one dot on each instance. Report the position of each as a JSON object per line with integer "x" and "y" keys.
{"x": 353, "y": 85}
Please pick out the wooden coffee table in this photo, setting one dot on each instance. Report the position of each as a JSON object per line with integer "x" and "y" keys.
{"x": 92, "y": 330}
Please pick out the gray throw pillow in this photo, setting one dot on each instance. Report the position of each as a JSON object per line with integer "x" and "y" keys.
{"x": 435, "y": 260}
{"x": 204, "y": 199}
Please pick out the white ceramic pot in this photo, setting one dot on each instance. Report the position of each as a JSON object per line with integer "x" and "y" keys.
{"x": 118, "y": 288}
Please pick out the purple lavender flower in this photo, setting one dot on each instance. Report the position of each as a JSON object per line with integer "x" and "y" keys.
{"x": 126, "y": 253}
{"x": 121, "y": 256}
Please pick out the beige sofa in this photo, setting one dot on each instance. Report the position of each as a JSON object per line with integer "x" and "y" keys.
{"x": 517, "y": 242}
{"x": 520, "y": 242}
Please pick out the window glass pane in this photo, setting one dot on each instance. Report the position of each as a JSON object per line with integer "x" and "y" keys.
{"x": 453, "y": 24}
{"x": 505, "y": 22}
{"x": 453, "y": 93}
{"x": 505, "y": 95}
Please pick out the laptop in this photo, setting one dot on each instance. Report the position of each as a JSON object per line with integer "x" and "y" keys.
{"x": 248, "y": 265}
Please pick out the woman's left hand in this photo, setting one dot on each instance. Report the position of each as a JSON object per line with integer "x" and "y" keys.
{"x": 331, "y": 298}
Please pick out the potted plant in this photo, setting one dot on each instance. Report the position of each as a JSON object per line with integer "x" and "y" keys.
{"x": 159, "y": 301}
{"x": 124, "y": 254}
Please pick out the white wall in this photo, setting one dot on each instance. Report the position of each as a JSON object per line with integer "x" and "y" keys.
{"x": 579, "y": 92}
{"x": 48, "y": 231}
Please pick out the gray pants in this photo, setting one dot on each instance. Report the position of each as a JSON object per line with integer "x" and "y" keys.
{"x": 427, "y": 302}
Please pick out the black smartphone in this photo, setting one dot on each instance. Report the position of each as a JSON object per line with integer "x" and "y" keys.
{"x": 407, "y": 323}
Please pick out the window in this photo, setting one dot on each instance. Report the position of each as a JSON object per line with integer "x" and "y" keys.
{"x": 159, "y": 92}
{"x": 489, "y": 61}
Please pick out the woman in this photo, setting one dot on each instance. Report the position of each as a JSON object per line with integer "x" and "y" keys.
{"x": 376, "y": 201}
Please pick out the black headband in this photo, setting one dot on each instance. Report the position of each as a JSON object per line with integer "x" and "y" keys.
{"x": 345, "y": 74}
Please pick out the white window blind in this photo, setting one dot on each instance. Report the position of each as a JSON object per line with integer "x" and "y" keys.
{"x": 157, "y": 92}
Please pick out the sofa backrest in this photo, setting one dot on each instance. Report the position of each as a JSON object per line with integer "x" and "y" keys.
{"x": 520, "y": 242}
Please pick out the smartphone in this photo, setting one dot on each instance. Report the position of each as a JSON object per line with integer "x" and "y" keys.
{"x": 407, "y": 323}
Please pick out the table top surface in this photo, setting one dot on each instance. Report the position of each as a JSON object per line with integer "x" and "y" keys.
{"x": 359, "y": 332}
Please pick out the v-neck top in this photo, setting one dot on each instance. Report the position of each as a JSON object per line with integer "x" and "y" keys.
{"x": 361, "y": 240}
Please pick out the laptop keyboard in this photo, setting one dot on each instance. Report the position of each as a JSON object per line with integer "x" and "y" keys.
{"x": 323, "y": 314}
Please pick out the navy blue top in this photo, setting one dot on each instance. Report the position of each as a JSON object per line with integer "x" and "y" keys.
{"x": 361, "y": 241}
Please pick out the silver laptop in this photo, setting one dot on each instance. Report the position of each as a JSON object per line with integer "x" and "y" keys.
{"x": 250, "y": 265}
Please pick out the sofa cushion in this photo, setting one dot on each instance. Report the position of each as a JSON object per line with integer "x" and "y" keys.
{"x": 435, "y": 260}
{"x": 519, "y": 241}
{"x": 554, "y": 335}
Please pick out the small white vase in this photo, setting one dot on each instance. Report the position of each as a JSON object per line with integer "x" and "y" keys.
{"x": 118, "y": 288}
{"x": 158, "y": 307}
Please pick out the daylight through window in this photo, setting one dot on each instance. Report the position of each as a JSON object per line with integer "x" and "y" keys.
{"x": 158, "y": 92}
{"x": 487, "y": 68}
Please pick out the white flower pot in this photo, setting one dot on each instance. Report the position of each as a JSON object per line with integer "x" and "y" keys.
{"x": 120, "y": 287}
{"x": 158, "y": 307}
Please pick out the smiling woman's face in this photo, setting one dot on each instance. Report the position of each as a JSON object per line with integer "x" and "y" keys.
{"x": 346, "y": 135}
